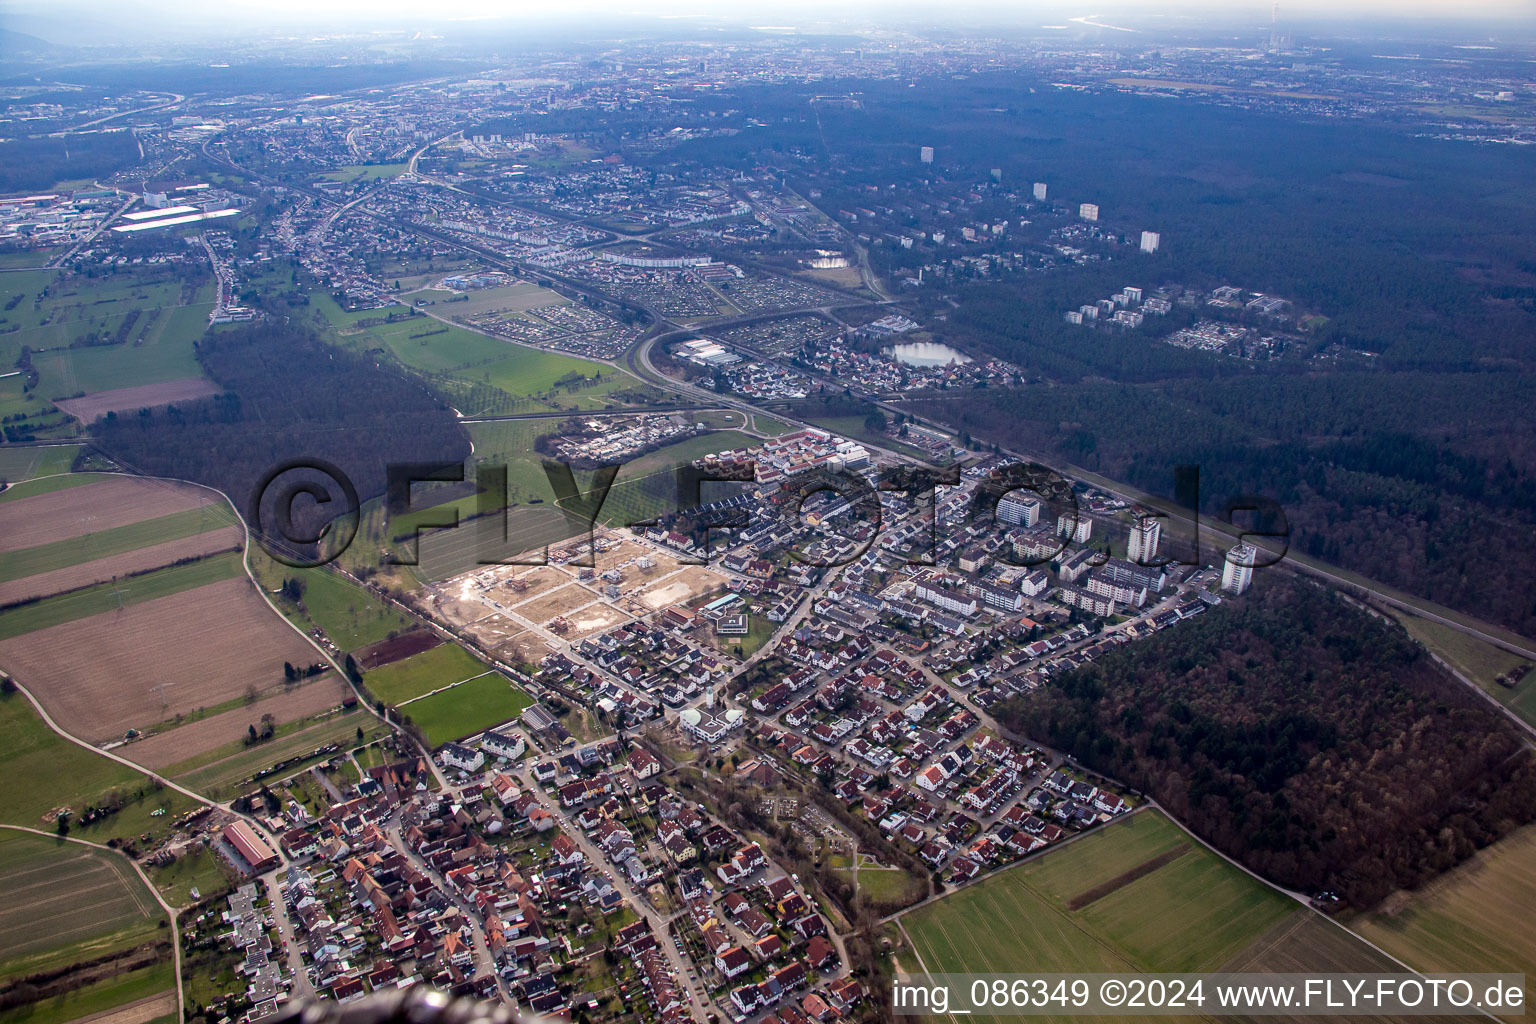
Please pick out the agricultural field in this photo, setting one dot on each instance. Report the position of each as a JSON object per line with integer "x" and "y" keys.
{"x": 103, "y": 668}
{"x": 18, "y": 464}
{"x": 226, "y": 730}
{"x": 56, "y": 308}
{"x": 1312, "y": 944}
{"x": 93, "y": 902}
{"x": 109, "y": 552}
{"x": 105, "y": 504}
{"x": 126, "y": 330}
{"x": 467, "y": 709}
{"x": 116, "y": 597}
{"x": 420, "y": 674}
{"x": 397, "y": 648}
{"x": 1140, "y": 894}
{"x": 49, "y": 484}
{"x": 89, "y": 408}
{"x": 1475, "y": 917}
{"x": 223, "y": 773}
{"x": 62, "y": 774}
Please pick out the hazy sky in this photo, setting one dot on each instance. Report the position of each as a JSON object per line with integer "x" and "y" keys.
{"x": 65, "y": 21}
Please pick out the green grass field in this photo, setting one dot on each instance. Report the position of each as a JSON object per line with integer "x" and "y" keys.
{"x": 56, "y": 311}
{"x": 422, "y": 673}
{"x": 889, "y": 886}
{"x": 105, "y": 597}
{"x": 88, "y": 547}
{"x": 60, "y": 774}
{"x": 1192, "y": 913}
{"x": 91, "y": 900}
{"x": 467, "y": 709}
{"x": 95, "y": 998}
{"x": 366, "y": 172}
{"x": 67, "y": 372}
{"x": 349, "y": 615}
{"x": 479, "y": 373}
{"x": 32, "y": 488}
{"x": 18, "y": 464}
{"x": 765, "y": 424}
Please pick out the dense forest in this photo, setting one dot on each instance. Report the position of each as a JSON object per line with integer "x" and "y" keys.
{"x": 286, "y": 396}
{"x": 35, "y": 164}
{"x": 1301, "y": 735}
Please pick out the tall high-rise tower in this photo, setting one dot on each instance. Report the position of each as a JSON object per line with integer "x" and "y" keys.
{"x": 1237, "y": 568}
{"x": 1145, "y": 535}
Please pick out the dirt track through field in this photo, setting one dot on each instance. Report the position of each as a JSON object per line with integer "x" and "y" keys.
{"x": 75, "y": 511}
{"x": 230, "y": 538}
{"x": 97, "y": 676}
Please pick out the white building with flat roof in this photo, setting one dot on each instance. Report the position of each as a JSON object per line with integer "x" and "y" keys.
{"x": 1088, "y": 211}
{"x": 1040, "y": 191}
{"x": 1150, "y": 240}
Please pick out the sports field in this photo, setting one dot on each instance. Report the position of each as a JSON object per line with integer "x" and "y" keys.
{"x": 422, "y": 673}
{"x": 1140, "y": 894}
{"x": 467, "y": 709}
{"x": 92, "y": 902}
